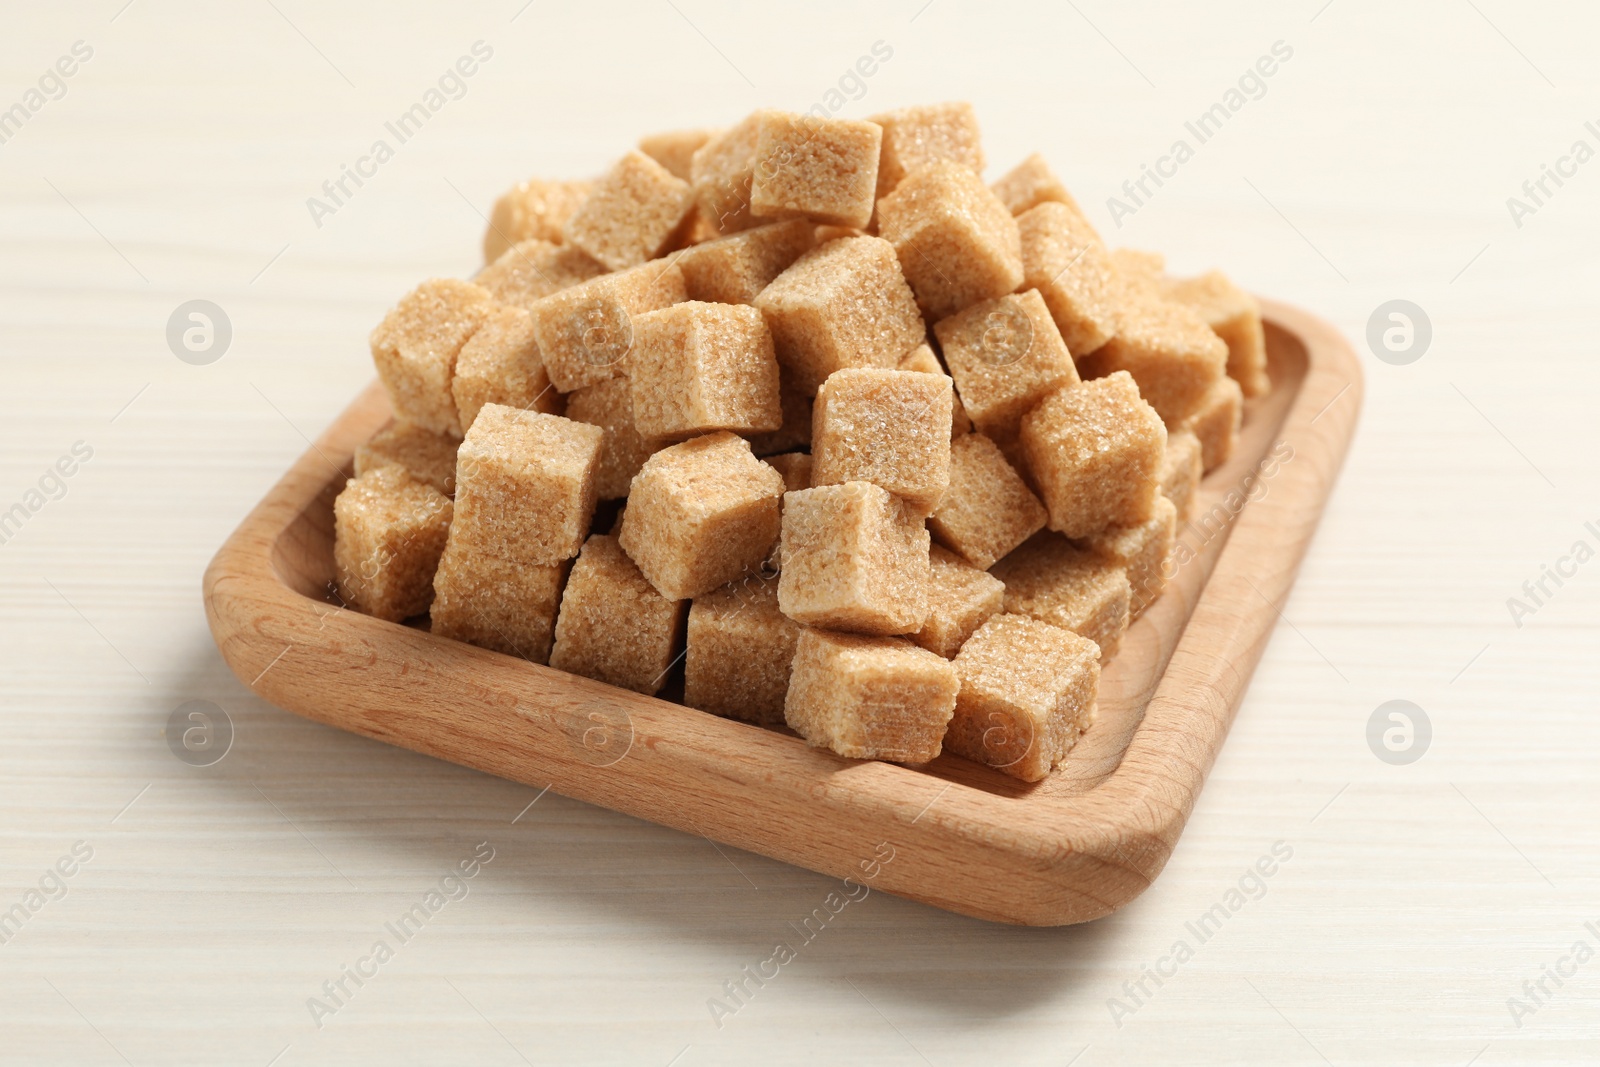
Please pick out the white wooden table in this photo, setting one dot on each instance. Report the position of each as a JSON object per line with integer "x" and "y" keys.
{"x": 216, "y": 902}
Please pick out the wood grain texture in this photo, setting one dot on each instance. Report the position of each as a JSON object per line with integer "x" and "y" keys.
{"x": 1377, "y": 166}
{"x": 967, "y": 838}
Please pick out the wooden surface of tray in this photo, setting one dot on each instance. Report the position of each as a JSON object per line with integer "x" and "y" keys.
{"x": 954, "y": 834}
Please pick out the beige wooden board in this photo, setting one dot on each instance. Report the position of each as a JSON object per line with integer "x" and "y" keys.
{"x": 1376, "y": 166}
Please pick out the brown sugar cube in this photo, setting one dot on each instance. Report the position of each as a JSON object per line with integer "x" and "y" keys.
{"x": 1028, "y": 693}
{"x": 796, "y": 407}
{"x": 822, "y": 169}
{"x": 734, "y": 269}
{"x": 922, "y": 360}
{"x": 721, "y": 172}
{"x": 531, "y": 210}
{"x": 842, "y": 304}
{"x": 740, "y": 647}
{"x": 1047, "y": 578}
{"x": 826, "y": 232}
{"x": 1006, "y": 355}
{"x": 1233, "y": 315}
{"x": 854, "y": 558}
{"x": 584, "y": 332}
{"x": 960, "y": 599}
{"x": 675, "y": 149}
{"x": 416, "y": 345}
{"x": 988, "y": 510}
{"x": 869, "y": 697}
{"x": 888, "y": 427}
{"x": 533, "y": 269}
{"x": 956, "y": 241}
{"x": 700, "y": 228}
{"x": 1095, "y": 451}
{"x": 795, "y": 468}
{"x": 426, "y": 456}
{"x": 1181, "y": 469}
{"x": 697, "y": 367}
{"x": 1145, "y": 271}
{"x": 632, "y": 214}
{"x": 1142, "y": 551}
{"x": 702, "y": 514}
{"x": 1216, "y": 422}
{"x": 918, "y": 137}
{"x": 388, "y": 533}
{"x": 501, "y": 365}
{"x": 613, "y": 626}
{"x": 1170, "y": 352}
{"x": 1031, "y": 183}
{"x": 609, "y": 406}
{"x": 1066, "y": 261}
{"x": 525, "y": 485}
{"x": 495, "y": 603}
{"x": 1009, "y": 442}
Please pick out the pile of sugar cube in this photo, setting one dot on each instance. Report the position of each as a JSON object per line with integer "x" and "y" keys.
{"x": 880, "y": 452}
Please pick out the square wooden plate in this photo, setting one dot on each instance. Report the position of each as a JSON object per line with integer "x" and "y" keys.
{"x": 954, "y": 834}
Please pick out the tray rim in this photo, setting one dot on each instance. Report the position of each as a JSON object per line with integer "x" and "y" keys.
{"x": 1034, "y": 860}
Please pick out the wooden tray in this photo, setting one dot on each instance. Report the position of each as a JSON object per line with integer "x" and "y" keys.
{"x": 955, "y": 834}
